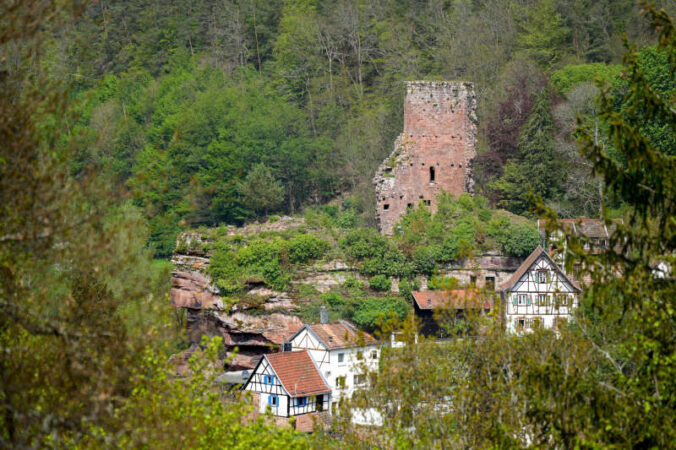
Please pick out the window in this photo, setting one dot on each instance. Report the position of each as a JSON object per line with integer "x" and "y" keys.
{"x": 273, "y": 400}
{"x": 409, "y": 206}
{"x": 542, "y": 277}
{"x": 520, "y": 323}
{"x": 359, "y": 379}
{"x": 427, "y": 202}
{"x": 341, "y": 357}
{"x": 301, "y": 401}
{"x": 432, "y": 174}
{"x": 490, "y": 283}
{"x": 340, "y": 382}
{"x": 287, "y": 346}
{"x": 268, "y": 379}
{"x": 522, "y": 300}
{"x": 386, "y": 206}
{"x": 374, "y": 354}
{"x": 472, "y": 279}
{"x": 542, "y": 299}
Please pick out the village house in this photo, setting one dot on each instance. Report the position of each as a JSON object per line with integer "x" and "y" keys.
{"x": 453, "y": 305}
{"x": 290, "y": 384}
{"x": 344, "y": 355}
{"x": 595, "y": 232}
{"x": 538, "y": 294}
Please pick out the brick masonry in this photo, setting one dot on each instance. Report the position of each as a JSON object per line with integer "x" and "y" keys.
{"x": 433, "y": 154}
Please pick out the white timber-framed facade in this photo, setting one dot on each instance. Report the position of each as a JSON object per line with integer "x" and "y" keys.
{"x": 344, "y": 355}
{"x": 290, "y": 384}
{"x": 539, "y": 294}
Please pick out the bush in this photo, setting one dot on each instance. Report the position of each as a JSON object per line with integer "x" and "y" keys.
{"x": 306, "y": 247}
{"x": 371, "y": 310}
{"x": 380, "y": 283}
{"x": 521, "y": 240}
{"x": 346, "y": 219}
{"x": 364, "y": 243}
{"x": 425, "y": 259}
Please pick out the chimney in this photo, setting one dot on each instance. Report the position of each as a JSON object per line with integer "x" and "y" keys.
{"x": 323, "y": 315}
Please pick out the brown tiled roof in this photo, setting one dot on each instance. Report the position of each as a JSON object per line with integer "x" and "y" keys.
{"x": 523, "y": 268}
{"x": 341, "y": 334}
{"x": 584, "y": 226}
{"x": 298, "y": 373}
{"x": 456, "y": 298}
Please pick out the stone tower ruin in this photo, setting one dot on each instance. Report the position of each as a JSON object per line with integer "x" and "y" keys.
{"x": 433, "y": 154}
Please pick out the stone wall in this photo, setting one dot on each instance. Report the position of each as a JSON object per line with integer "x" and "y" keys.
{"x": 433, "y": 154}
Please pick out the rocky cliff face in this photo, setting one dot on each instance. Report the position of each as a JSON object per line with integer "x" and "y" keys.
{"x": 253, "y": 330}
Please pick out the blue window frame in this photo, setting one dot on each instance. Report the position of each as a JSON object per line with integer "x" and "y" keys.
{"x": 301, "y": 401}
{"x": 268, "y": 379}
{"x": 273, "y": 400}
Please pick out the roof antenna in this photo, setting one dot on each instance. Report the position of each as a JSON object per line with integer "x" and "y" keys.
{"x": 323, "y": 314}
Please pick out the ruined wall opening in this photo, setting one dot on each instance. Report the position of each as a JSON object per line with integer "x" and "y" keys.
{"x": 386, "y": 206}
{"x": 432, "y": 174}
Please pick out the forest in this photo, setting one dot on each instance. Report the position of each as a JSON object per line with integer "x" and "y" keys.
{"x": 123, "y": 123}
{"x": 193, "y": 106}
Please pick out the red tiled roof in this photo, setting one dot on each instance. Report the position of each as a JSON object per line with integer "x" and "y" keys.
{"x": 455, "y": 298}
{"x": 523, "y": 268}
{"x": 298, "y": 373}
{"x": 341, "y": 334}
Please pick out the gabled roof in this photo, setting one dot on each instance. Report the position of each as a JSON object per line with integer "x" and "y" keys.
{"x": 455, "y": 298}
{"x": 338, "y": 335}
{"x": 584, "y": 226}
{"x": 297, "y": 372}
{"x": 528, "y": 263}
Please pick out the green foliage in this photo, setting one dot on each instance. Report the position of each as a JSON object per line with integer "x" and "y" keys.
{"x": 373, "y": 310}
{"x": 237, "y": 262}
{"x": 521, "y": 240}
{"x": 543, "y": 33}
{"x": 260, "y": 191}
{"x": 536, "y": 165}
{"x": 364, "y": 243}
{"x": 566, "y": 78}
{"x": 380, "y": 283}
{"x": 305, "y": 247}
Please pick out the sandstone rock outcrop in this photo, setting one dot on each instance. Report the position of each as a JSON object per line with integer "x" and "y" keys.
{"x": 433, "y": 154}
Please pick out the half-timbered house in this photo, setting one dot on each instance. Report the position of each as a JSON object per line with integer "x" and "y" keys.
{"x": 289, "y": 383}
{"x": 345, "y": 355}
{"x": 538, "y": 294}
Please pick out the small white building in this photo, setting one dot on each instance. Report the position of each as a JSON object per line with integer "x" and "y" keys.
{"x": 345, "y": 355}
{"x": 289, "y": 383}
{"x": 538, "y": 294}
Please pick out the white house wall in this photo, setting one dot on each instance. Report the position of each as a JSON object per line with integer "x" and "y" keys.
{"x": 318, "y": 352}
{"x": 530, "y": 289}
{"x": 256, "y": 384}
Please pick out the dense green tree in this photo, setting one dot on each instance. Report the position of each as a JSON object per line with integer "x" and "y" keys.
{"x": 537, "y": 164}
{"x": 260, "y": 191}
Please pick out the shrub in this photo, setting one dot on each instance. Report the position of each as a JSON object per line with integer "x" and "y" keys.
{"x": 380, "y": 283}
{"x": 521, "y": 240}
{"x": 346, "y": 219}
{"x": 364, "y": 243}
{"x": 305, "y": 247}
{"x": 425, "y": 259}
{"x": 371, "y": 310}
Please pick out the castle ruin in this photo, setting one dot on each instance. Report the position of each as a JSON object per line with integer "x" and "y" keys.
{"x": 432, "y": 155}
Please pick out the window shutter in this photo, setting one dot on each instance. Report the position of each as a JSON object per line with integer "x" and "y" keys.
{"x": 528, "y": 300}
{"x": 515, "y": 300}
